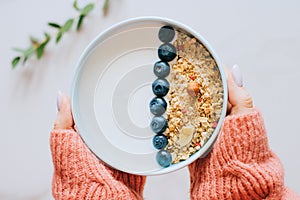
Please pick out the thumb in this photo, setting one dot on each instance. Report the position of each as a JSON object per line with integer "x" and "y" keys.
{"x": 239, "y": 98}
{"x": 64, "y": 119}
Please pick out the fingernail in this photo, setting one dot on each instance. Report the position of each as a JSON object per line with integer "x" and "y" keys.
{"x": 58, "y": 100}
{"x": 237, "y": 75}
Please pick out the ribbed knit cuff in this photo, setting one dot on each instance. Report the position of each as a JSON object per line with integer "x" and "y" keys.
{"x": 79, "y": 174}
{"x": 243, "y": 138}
{"x": 241, "y": 164}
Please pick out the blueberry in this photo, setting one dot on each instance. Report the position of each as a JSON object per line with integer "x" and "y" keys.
{"x": 160, "y": 141}
{"x": 166, "y": 52}
{"x": 166, "y": 33}
{"x": 161, "y": 69}
{"x": 164, "y": 158}
{"x": 158, "y": 124}
{"x": 158, "y": 106}
{"x": 160, "y": 87}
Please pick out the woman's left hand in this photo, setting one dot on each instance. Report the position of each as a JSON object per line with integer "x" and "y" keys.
{"x": 78, "y": 173}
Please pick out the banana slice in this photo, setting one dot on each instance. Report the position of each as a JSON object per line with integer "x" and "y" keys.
{"x": 185, "y": 135}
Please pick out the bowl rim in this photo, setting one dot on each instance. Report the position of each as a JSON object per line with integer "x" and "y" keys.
{"x": 136, "y": 20}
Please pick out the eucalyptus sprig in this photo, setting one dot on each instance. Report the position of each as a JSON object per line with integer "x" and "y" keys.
{"x": 38, "y": 46}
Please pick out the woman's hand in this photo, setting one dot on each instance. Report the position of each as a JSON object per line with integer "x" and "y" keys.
{"x": 241, "y": 164}
{"x": 78, "y": 173}
{"x": 240, "y": 102}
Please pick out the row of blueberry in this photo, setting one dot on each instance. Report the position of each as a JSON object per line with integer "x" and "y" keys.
{"x": 160, "y": 87}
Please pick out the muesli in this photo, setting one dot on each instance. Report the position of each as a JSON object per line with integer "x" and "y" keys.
{"x": 195, "y": 98}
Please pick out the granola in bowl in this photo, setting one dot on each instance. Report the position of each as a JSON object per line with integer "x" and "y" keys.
{"x": 195, "y": 98}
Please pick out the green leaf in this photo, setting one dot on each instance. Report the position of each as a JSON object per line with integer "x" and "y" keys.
{"x": 81, "y": 17}
{"x": 75, "y": 6}
{"x": 87, "y": 9}
{"x": 68, "y": 25}
{"x": 58, "y": 36}
{"x": 15, "y": 61}
{"x": 54, "y": 25}
{"x": 105, "y": 7}
{"x": 48, "y": 37}
{"x": 40, "y": 49}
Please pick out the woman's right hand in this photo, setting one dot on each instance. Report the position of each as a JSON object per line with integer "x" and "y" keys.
{"x": 241, "y": 164}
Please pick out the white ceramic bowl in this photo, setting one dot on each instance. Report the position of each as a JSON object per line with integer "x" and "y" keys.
{"x": 111, "y": 91}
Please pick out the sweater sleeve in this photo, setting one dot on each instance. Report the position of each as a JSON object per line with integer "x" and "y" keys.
{"x": 241, "y": 164}
{"x": 79, "y": 174}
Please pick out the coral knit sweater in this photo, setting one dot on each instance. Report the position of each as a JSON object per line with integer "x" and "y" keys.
{"x": 240, "y": 166}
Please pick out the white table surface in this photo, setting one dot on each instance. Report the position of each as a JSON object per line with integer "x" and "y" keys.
{"x": 263, "y": 37}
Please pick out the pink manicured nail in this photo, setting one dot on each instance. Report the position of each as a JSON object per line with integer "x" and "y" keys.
{"x": 237, "y": 75}
{"x": 58, "y": 100}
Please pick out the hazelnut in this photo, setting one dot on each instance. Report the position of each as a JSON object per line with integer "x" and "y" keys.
{"x": 193, "y": 89}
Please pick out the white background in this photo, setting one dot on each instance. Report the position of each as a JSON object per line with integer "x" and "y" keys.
{"x": 263, "y": 37}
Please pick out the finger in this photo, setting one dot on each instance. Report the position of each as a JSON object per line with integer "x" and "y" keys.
{"x": 238, "y": 97}
{"x": 227, "y": 73}
{"x": 237, "y": 75}
{"x": 236, "y": 94}
{"x": 64, "y": 119}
